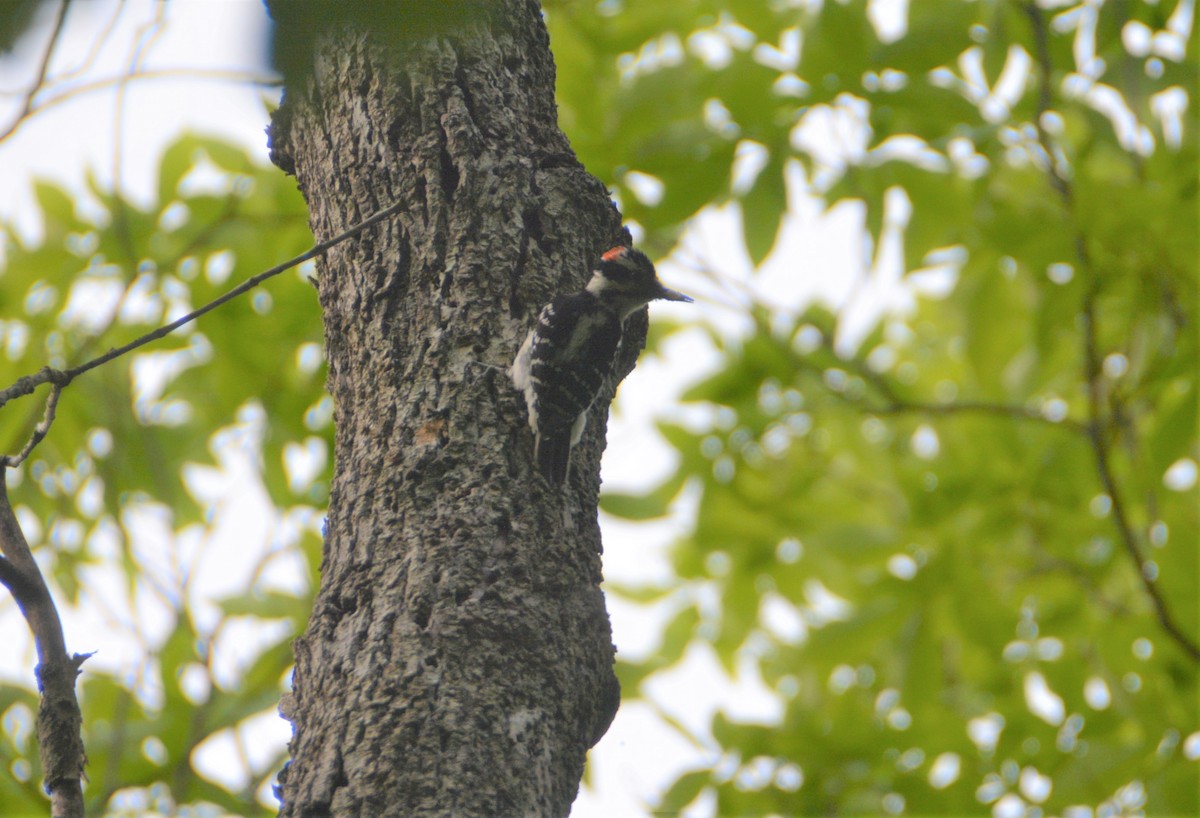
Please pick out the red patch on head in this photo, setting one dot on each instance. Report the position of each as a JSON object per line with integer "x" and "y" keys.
{"x": 614, "y": 254}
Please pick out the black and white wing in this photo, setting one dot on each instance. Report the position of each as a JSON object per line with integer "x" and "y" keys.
{"x": 561, "y": 368}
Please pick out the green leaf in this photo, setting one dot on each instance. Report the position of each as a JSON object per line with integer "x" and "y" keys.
{"x": 763, "y": 209}
{"x": 646, "y": 506}
{"x": 268, "y": 605}
{"x": 838, "y": 48}
{"x": 685, "y": 790}
{"x": 677, "y": 636}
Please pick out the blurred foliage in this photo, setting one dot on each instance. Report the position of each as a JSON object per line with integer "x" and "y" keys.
{"x": 939, "y": 547}
{"x": 130, "y": 438}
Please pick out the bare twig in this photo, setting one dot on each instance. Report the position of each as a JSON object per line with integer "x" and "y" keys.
{"x": 60, "y": 742}
{"x": 61, "y": 378}
{"x": 1041, "y": 45}
{"x": 111, "y": 318}
{"x": 98, "y": 42}
{"x": 894, "y": 404}
{"x": 27, "y": 108}
{"x": 205, "y": 74}
{"x": 1098, "y": 420}
{"x": 147, "y": 33}
{"x": 1103, "y": 455}
{"x": 245, "y": 286}
{"x": 48, "y": 92}
{"x": 39, "y": 432}
{"x": 26, "y": 384}
{"x": 978, "y": 408}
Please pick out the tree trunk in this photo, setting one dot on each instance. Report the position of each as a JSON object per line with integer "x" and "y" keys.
{"x": 459, "y": 657}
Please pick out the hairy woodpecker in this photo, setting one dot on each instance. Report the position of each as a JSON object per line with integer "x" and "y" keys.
{"x": 566, "y": 356}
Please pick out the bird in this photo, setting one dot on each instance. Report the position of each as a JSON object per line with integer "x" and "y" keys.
{"x": 565, "y": 358}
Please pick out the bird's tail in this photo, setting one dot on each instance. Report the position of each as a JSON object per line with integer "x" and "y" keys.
{"x": 553, "y": 455}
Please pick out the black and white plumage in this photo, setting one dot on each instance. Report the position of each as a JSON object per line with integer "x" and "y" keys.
{"x": 565, "y": 358}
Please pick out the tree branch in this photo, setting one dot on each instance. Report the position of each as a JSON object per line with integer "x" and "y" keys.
{"x": 59, "y": 722}
{"x": 1098, "y": 420}
{"x": 27, "y": 108}
{"x": 978, "y": 407}
{"x": 39, "y": 432}
{"x": 26, "y": 384}
{"x": 894, "y": 404}
{"x": 207, "y": 74}
{"x": 61, "y": 378}
{"x": 98, "y": 42}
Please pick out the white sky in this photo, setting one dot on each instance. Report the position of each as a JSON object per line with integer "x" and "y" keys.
{"x": 818, "y": 256}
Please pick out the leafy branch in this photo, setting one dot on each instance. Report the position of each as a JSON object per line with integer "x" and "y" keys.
{"x": 894, "y": 404}
{"x": 61, "y": 378}
{"x": 46, "y": 92}
{"x": 27, "y": 107}
{"x": 1098, "y": 421}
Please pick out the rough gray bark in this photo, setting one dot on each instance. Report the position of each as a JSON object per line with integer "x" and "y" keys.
{"x": 59, "y": 722}
{"x": 459, "y": 657}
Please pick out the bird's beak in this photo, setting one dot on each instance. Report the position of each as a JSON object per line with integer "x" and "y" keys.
{"x": 672, "y": 295}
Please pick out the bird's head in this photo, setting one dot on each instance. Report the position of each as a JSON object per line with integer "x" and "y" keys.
{"x": 627, "y": 278}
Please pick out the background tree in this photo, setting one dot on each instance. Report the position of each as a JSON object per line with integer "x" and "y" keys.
{"x": 121, "y": 501}
{"x": 960, "y": 549}
{"x": 947, "y": 507}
